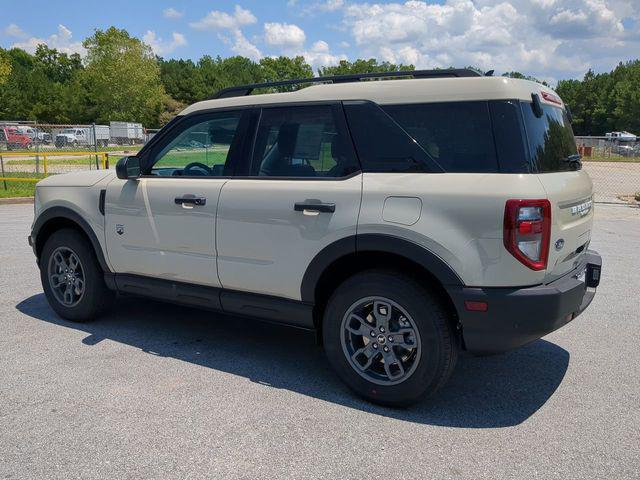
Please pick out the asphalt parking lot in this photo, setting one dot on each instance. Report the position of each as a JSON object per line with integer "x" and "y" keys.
{"x": 157, "y": 391}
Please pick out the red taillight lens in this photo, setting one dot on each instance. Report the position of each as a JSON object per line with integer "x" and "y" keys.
{"x": 527, "y": 231}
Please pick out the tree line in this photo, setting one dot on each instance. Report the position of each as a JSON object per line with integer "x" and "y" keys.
{"x": 120, "y": 78}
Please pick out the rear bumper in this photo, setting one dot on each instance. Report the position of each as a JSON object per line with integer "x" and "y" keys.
{"x": 517, "y": 316}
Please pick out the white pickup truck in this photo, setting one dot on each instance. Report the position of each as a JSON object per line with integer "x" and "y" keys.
{"x": 76, "y": 136}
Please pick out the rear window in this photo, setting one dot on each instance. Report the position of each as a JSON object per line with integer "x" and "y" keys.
{"x": 550, "y": 139}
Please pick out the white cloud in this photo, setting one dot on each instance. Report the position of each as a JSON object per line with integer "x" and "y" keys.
{"x": 172, "y": 13}
{"x": 216, "y": 20}
{"x": 324, "y": 6}
{"x": 15, "y": 31}
{"x": 242, "y": 46}
{"x": 284, "y": 35}
{"x": 546, "y": 38}
{"x": 61, "y": 41}
{"x": 159, "y": 46}
{"x": 320, "y": 55}
{"x": 330, "y": 5}
{"x": 230, "y": 31}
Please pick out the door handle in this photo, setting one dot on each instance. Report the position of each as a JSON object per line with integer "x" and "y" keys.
{"x": 189, "y": 199}
{"x": 316, "y": 206}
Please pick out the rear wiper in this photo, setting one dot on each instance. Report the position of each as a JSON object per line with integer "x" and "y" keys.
{"x": 575, "y": 158}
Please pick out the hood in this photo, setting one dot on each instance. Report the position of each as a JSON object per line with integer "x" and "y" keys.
{"x": 67, "y": 135}
{"x": 85, "y": 178}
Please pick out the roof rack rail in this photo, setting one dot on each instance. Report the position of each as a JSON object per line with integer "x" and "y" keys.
{"x": 242, "y": 90}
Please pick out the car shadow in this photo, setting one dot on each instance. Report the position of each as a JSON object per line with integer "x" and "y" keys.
{"x": 488, "y": 392}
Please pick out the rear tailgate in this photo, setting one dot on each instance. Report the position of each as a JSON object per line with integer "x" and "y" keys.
{"x": 570, "y": 194}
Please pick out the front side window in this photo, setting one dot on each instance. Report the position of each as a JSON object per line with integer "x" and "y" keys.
{"x": 302, "y": 141}
{"x": 202, "y": 149}
{"x": 551, "y": 143}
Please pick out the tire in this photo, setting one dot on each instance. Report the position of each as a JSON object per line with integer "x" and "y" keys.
{"x": 82, "y": 304}
{"x": 434, "y": 346}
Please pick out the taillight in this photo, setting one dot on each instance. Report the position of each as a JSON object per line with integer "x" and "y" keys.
{"x": 527, "y": 231}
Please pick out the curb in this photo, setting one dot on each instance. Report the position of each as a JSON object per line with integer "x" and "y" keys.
{"x": 15, "y": 200}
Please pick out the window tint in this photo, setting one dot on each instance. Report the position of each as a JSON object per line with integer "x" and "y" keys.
{"x": 382, "y": 145}
{"x": 201, "y": 149}
{"x": 509, "y": 136}
{"x": 551, "y": 141}
{"x": 302, "y": 142}
{"x": 457, "y": 135}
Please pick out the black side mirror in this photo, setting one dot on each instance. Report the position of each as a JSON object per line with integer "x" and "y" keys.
{"x": 128, "y": 168}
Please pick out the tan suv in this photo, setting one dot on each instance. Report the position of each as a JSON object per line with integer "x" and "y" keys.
{"x": 401, "y": 220}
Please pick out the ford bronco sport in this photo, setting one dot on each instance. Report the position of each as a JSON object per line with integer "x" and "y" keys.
{"x": 401, "y": 220}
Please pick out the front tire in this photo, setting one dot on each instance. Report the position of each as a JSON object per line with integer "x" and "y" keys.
{"x": 71, "y": 276}
{"x": 388, "y": 338}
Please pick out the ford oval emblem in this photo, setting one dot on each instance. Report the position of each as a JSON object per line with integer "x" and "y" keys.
{"x": 559, "y": 244}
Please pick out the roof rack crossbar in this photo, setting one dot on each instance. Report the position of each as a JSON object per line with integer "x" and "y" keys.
{"x": 243, "y": 90}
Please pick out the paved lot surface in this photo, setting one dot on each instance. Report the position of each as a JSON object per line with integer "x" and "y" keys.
{"x": 155, "y": 391}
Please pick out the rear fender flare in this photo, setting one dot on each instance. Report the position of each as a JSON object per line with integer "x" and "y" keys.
{"x": 375, "y": 243}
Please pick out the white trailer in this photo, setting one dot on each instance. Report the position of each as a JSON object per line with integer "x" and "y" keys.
{"x": 126, "y": 133}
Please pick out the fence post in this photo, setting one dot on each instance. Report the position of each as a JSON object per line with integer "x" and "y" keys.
{"x": 37, "y": 148}
{"x": 2, "y": 166}
{"x": 46, "y": 171}
{"x": 95, "y": 143}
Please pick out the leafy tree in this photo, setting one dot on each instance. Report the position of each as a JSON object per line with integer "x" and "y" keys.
{"x": 183, "y": 80}
{"x": 274, "y": 69}
{"x": 121, "y": 80}
{"x": 219, "y": 73}
{"x": 5, "y": 67}
{"x": 522, "y": 76}
{"x": 58, "y": 67}
{"x": 360, "y": 65}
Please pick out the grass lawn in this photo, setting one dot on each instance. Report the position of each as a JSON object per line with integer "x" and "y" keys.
{"x": 88, "y": 160}
{"x": 612, "y": 158}
{"x": 10, "y": 188}
{"x": 79, "y": 148}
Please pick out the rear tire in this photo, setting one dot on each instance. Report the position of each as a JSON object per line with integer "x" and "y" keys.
{"x": 415, "y": 348}
{"x": 71, "y": 276}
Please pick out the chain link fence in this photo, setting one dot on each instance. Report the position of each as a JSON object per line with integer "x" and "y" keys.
{"x": 614, "y": 167}
{"x": 30, "y": 151}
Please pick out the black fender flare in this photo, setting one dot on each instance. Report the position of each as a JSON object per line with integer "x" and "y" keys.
{"x": 66, "y": 213}
{"x": 373, "y": 242}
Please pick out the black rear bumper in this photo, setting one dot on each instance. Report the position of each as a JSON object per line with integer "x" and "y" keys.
{"x": 517, "y": 316}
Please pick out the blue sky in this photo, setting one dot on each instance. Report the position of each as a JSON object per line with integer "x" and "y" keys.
{"x": 548, "y": 38}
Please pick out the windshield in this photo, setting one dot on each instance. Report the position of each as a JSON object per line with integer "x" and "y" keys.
{"x": 551, "y": 143}
{"x": 68, "y": 130}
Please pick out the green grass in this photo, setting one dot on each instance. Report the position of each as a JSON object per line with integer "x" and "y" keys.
{"x": 181, "y": 158}
{"x": 10, "y": 188}
{"x": 88, "y": 160}
{"x": 612, "y": 158}
{"x": 79, "y": 148}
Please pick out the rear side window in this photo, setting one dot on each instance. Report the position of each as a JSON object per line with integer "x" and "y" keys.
{"x": 303, "y": 141}
{"x": 382, "y": 144}
{"x": 457, "y": 135}
{"x": 550, "y": 138}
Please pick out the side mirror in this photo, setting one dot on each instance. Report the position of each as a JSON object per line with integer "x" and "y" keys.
{"x": 128, "y": 168}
